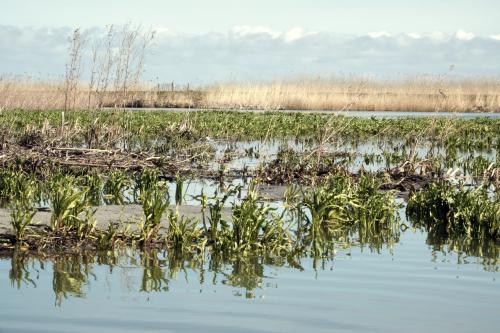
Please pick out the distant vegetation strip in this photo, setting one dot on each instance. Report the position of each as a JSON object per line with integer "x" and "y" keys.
{"x": 419, "y": 94}
{"x": 115, "y": 125}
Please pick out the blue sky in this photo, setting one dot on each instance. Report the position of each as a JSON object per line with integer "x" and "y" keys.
{"x": 203, "y": 40}
{"x": 341, "y": 16}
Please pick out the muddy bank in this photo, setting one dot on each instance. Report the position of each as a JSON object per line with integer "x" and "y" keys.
{"x": 122, "y": 215}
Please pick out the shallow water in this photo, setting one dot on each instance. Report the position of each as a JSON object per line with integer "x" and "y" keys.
{"x": 266, "y": 151}
{"x": 408, "y": 287}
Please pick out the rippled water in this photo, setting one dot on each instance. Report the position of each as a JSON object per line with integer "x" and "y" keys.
{"x": 409, "y": 288}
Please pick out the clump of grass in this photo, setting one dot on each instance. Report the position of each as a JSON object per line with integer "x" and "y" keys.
{"x": 68, "y": 205}
{"x": 340, "y": 205}
{"x": 290, "y": 165}
{"x": 217, "y": 226}
{"x": 254, "y": 227}
{"x": 375, "y": 207}
{"x": 179, "y": 189}
{"x": 95, "y": 184}
{"x": 456, "y": 211}
{"x": 115, "y": 186}
{"x": 13, "y": 185}
{"x": 183, "y": 233}
{"x": 154, "y": 197}
{"x": 22, "y": 205}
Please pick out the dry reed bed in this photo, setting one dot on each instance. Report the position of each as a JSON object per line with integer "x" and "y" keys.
{"x": 415, "y": 95}
{"x": 412, "y": 95}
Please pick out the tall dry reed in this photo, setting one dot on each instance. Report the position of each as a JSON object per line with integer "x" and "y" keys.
{"x": 420, "y": 94}
{"x": 417, "y": 94}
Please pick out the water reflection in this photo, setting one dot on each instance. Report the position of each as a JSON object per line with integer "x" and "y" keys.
{"x": 487, "y": 251}
{"x": 23, "y": 271}
{"x": 70, "y": 275}
{"x": 73, "y": 274}
{"x": 154, "y": 271}
{"x": 154, "y": 275}
{"x": 373, "y": 236}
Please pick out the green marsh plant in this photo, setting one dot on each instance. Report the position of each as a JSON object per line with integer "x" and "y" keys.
{"x": 95, "y": 184}
{"x": 456, "y": 211}
{"x": 22, "y": 206}
{"x": 155, "y": 200}
{"x": 218, "y": 226}
{"x": 68, "y": 205}
{"x": 183, "y": 233}
{"x": 255, "y": 225}
{"x": 115, "y": 186}
{"x": 340, "y": 205}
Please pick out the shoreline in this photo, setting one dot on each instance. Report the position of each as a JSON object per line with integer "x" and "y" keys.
{"x": 362, "y": 113}
{"x": 105, "y": 215}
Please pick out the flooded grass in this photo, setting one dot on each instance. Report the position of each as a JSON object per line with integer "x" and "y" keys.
{"x": 213, "y": 206}
{"x": 335, "y": 178}
{"x": 468, "y": 212}
{"x": 106, "y": 129}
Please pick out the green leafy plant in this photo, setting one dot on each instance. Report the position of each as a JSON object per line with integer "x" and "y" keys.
{"x": 340, "y": 205}
{"x": 252, "y": 224}
{"x": 179, "y": 189}
{"x": 95, "y": 185}
{"x": 22, "y": 208}
{"x": 450, "y": 211}
{"x": 155, "y": 200}
{"x": 183, "y": 233}
{"x": 218, "y": 227}
{"x": 68, "y": 204}
{"x": 115, "y": 186}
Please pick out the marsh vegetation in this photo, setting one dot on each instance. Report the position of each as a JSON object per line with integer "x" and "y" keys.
{"x": 335, "y": 179}
{"x": 230, "y": 204}
{"x": 429, "y": 94}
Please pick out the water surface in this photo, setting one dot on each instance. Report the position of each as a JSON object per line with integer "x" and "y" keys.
{"x": 407, "y": 287}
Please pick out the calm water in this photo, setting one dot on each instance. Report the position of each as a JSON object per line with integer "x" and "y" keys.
{"x": 409, "y": 287}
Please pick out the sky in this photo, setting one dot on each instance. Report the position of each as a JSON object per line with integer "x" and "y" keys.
{"x": 202, "y": 41}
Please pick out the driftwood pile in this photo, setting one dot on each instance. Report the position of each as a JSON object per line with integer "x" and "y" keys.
{"x": 30, "y": 158}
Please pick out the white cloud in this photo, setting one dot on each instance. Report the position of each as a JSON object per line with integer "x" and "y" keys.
{"x": 256, "y": 53}
{"x": 438, "y": 35}
{"x": 246, "y": 30}
{"x": 291, "y": 35}
{"x": 414, "y": 35}
{"x": 164, "y": 32}
{"x": 294, "y": 34}
{"x": 464, "y": 35}
{"x": 495, "y": 37}
{"x": 378, "y": 34}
